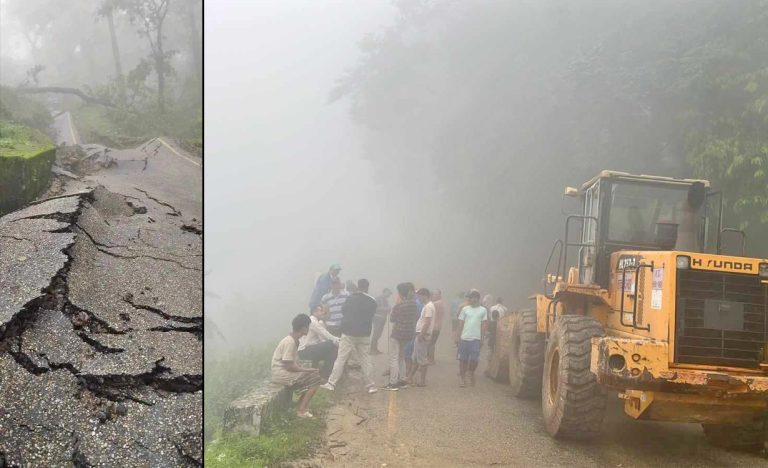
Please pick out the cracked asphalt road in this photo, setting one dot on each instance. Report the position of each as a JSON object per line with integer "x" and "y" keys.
{"x": 101, "y": 318}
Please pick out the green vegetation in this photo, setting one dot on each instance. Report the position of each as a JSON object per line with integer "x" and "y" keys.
{"x": 17, "y": 141}
{"x": 230, "y": 377}
{"x": 26, "y": 154}
{"x": 128, "y": 126}
{"x": 290, "y": 438}
{"x": 508, "y": 102}
{"x": 23, "y": 110}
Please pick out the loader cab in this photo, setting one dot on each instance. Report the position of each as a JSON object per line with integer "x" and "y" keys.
{"x": 628, "y": 212}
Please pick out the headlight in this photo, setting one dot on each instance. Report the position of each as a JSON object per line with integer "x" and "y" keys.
{"x": 683, "y": 262}
{"x": 763, "y": 270}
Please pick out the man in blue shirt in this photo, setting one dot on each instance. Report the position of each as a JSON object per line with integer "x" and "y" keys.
{"x": 323, "y": 285}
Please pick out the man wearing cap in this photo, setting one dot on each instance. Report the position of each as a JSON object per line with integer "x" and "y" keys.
{"x": 323, "y": 286}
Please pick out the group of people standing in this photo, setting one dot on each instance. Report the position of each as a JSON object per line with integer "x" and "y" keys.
{"x": 345, "y": 326}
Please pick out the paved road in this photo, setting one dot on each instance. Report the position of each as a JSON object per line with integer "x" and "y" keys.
{"x": 445, "y": 425}
{"x": 66, "y": 133}
{"x": 101, "y": 316}
{"x": 158, "y": 167}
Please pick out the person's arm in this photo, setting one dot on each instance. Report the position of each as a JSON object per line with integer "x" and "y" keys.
{"x": 319, "y": 329}
{"x": 484, "y": 331}
{"x": 393, "y": 314}
{"x": 291, "y": 366}
{"x": 425, "y": 326}
{"x": 460, "y": 330}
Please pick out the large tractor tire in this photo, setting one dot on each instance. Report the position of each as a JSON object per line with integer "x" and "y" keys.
{"x": 526, "y": 356}
{"x": 749, "y": 437}
{"x": 572, "y": 401}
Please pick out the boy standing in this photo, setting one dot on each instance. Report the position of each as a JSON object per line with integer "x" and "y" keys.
{"x": 285, "y": 370}
{"x": 473, "y": 326}
{"x": 424, "y": 328}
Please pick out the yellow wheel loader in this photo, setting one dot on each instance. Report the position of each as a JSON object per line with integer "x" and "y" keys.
{"x": 639, "y": 299}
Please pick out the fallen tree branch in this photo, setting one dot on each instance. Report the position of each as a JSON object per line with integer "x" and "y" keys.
{"x": 65, "y": 90}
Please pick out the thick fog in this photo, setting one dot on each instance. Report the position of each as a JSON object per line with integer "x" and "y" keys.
{"x": 288, "y": 191}
{"x": 431, "y": 141}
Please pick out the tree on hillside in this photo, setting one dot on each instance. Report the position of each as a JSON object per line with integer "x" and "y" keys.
{"x": 504, "y": 103}
{"x": 190, "y": 18}
{"x": 106, "y": 11}
{"x": 150, "y": 16}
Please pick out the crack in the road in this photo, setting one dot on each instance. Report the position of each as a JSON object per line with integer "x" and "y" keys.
{"x": 193, "y": 229}
{"x": 150, "y": 245}
{"x": 20, "y": 239}
{"x": 78, "y": 458}
{"x": 82, "y": 318}
{"x": 97, "y": 243}
{"x": 57, "y": 216}
{"x": 160, "y": 202}
{"x": 26, "y": 341}
{"x": 196, "y": 330}
{"x": 128, "y": 299}
{"x": 185, "y": 456}
{"x": 99, "y": 346}
{"x": 55, "y": 297}
{"x": 101, "y": 248}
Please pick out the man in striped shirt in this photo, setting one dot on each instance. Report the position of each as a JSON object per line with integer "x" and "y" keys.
{"x": 333, "y": 302}
{"x": 403, "y": 320}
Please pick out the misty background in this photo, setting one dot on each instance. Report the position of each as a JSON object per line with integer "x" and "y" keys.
{"x": 431, "y": 141}
{"x": 126, "y": 70}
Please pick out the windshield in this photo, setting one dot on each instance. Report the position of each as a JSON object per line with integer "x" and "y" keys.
{"x": 635, "y": 210}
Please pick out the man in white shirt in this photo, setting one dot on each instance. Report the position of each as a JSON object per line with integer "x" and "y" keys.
{"x": 286, "y": 371}
{"x": 319, "y": 345}
{"x": 499, "y": 307}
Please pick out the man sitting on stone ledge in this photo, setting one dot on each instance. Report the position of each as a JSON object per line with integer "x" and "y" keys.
{"x": 285, "y": 370}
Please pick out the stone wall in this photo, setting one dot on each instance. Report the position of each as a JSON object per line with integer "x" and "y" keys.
{"x": 26, "y": 157}
{"x": 252, "y": 412}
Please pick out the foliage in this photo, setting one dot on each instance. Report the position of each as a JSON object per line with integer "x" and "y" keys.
{"x": 26, "y": 156}
{"x": 231, "y": 377}
{"x": 23, "y": 110}
{"x": 487, "y": 109}
{"x": 22, "y": 142}
{"x": 290, "y": 438}
{"x": 150, "y": 15}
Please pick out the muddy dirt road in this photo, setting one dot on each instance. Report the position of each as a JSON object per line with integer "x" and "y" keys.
{"x": 445, "y": 425}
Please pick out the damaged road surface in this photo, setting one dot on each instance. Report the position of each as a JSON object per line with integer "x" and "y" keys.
{"x": 101, "y": 330}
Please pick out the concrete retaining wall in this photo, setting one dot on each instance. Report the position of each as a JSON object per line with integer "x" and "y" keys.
{"x": 252, "y": 412}
{"x": 26, "y": 157}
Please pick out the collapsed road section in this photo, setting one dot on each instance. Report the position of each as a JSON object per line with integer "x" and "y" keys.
{"x": 100, "y": 332}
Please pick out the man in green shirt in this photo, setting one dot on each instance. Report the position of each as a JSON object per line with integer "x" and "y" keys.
{"x": 473, "y": 326}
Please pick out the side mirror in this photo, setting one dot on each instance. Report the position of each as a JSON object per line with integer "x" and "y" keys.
{"x": 571, "y": 192}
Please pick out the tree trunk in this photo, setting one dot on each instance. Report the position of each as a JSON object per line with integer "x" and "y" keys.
{"x": 116, "y": 56}
{"x": 194, "y": 36}
{"x": 64, "y": 90}
{"x": 160, "y": 69}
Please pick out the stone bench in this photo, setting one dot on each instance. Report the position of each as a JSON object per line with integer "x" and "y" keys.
{"x": 252, "y": 412}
